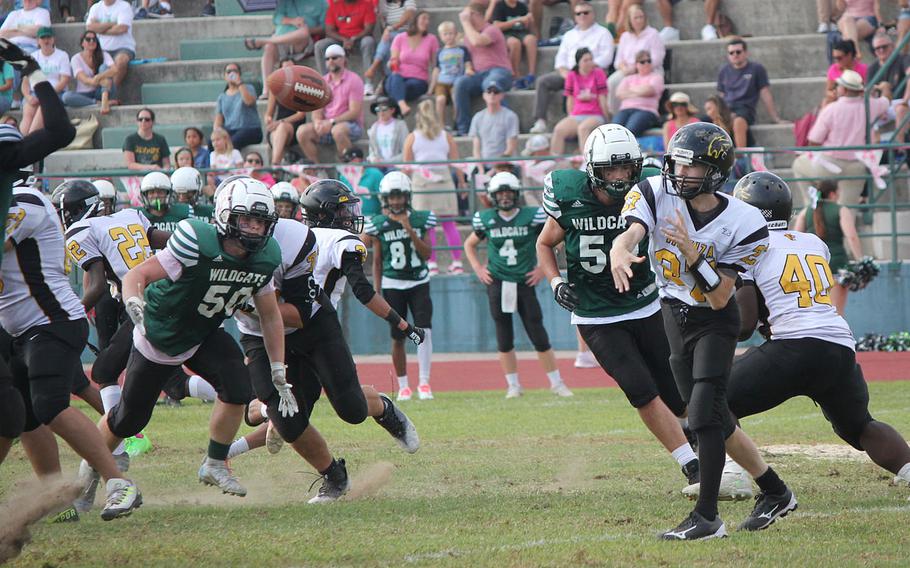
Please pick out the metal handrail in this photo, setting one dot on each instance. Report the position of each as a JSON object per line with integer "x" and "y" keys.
{"x": 878, "y": 76}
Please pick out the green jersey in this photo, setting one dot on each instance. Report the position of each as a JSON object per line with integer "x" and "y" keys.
{"x": 175, "y": 213}
{"x": 834, "y": 236}
{"x": 204, "y": 286}
{"x": 590, "y": 228}
{"x": 512, "y": 243}
{"x": 204, "y": 212}
{"x": 400, "y": 260}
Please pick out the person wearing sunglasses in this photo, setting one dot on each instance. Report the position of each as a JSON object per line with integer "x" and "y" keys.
{"x": 843, "y": 56}
{"x": 235, "y": 109}
{"x": 94, "y": 71}
{"x": 742, "y": 83}
{"x": 145, "y": 150}
{"x": 254, "y": 160}
{"x": 640, "y": 96}
{"x": 639, "y": 35}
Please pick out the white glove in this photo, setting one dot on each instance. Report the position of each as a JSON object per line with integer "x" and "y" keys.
{"x": 287, "y": 406}
{"x": 135, "y": 309}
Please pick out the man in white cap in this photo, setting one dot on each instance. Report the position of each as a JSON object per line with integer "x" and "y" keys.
{"x": 841, "y": 123}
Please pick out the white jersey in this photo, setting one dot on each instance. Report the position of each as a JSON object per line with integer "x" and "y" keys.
{"x": 120, "y": 241}
{"x": 795, "y": 281}
{"x": 34, "y": 286}
{"x": 333, "y": 244}
{"x": 299, "y": 253}
{"x": 734, "y": 238}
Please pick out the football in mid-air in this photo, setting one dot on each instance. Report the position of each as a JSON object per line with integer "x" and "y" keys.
{"x": 299, "y": 88}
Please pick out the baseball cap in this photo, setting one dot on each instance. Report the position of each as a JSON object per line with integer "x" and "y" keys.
{"x": 535, "y": 143}
{"x": 335, "y": 50}
{"x": 352, "y": 153}
{"x": 851, "y": 80}
{"x": 490, "y": 83}
{"x": 45, "y": 31}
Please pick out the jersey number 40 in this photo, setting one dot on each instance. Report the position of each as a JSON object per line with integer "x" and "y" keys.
{"x": 793, "y": 280}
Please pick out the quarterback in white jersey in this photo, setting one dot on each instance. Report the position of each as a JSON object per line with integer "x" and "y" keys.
{"x": 810, "y": 349}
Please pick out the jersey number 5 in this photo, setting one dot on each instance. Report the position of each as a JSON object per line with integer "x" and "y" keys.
{"x": 590, "y": 250}
{"x": 794, "y": 280}
{"x": 214, "y": 300}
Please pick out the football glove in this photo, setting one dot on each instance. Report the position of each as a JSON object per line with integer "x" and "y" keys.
{"x": 18, "y": 59}
{"x": 312, "y": 289}
{"x": 415, "y": 334}
{"x": 287, "y": 404}
{"x": 565, "y": 296}
{"x": 135, "y": 309}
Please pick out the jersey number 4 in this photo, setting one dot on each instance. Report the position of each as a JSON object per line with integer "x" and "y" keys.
{"x": 214, "y": 301}
{"x": 794, "y": 281}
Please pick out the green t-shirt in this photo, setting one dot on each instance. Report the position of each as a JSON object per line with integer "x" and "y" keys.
{"x": 312, "y": 11}
{"x": 400, "y": 259}
{"x": 6, "y": 74}
{"x": 370, "y": 181}
{"x": 152, "y": 151}
{"x": 834, "y": 236}
{"x": 180, "y": 314}
{"x": 175, "y": 213}
{"x": 511, "y": 244}
{"x": 590, "y": 228}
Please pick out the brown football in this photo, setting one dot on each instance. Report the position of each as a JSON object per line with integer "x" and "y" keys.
{"x": 300, "y": 88}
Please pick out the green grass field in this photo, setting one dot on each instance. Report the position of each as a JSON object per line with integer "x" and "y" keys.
{"x": 537, "y": 481}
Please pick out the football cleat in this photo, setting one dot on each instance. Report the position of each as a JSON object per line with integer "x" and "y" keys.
{"x": 405, "y": 393}
{"x": 585, "y": 360}
{"x": 399, "y": 426}
{"x": 122, "y": 498}
{"x": 273, "y": 440}
{"x": 335, "y": 483}
{"x": 696, "y": 527}
{"x": 137, "y": 445}
{"x": 768, "y": 508}
{"x": 561, "y": 389}
{"x": 424, "y": 392}
{"x": 690, "y": 470}
{"x": 217, "y": 473}
{"x": 735, "y": 484}
{"x": 90, "y": 479}
{"x": 514, "y": 391}
{"x": 68, "y": 515}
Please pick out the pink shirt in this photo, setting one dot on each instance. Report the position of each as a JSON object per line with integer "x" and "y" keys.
{"x": 843, "y": 123}
{"x": 415, "y": 63}
{"x": 859, "y": 8}
{"x": 643, "y": 103}
{"x": 348, "y": 88}
{"x": 594, "y": 82}
{"x": 494, "y": 54}
{"x": 834, "y": 72}
{"x": 672, "y": 127}
{"x": 648, "y": 40}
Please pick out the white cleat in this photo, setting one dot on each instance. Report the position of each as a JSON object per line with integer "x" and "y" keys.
{"x": 424, "y": 392}
{"x": 122, "y": 498}
{"x": 218, "y": 474}
{"x": 585, "y": 360}
{"x": 514, "y": 391}
{"x": 405, "y": 394}
{"x": 273, "y": 440}
{"x": 735, "y": 484}
{"x": 90, "y": 480}
{"x": 561, "y": 390}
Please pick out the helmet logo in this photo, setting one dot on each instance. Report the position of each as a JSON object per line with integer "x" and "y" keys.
{"x": 719, "y": 146}
{"x": 342, "y": 199}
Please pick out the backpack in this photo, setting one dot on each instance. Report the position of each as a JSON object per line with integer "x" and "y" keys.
{"x": 802, "y": 126}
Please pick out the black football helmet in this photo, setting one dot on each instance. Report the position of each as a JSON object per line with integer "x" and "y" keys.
{"x": 699, "y": 143}
{"x": 769, "y": 194}
{"x": 75, "y": 200}
{"x": 330, "y": 204}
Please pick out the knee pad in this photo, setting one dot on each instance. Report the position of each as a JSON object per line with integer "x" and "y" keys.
{"x": 708, "y": 409}
{"x": 290, "y": 427}
{"x": 351, "y": 406}
{"x": 12, "y": 413}
{"x": 124, "y": 422}
{"x": 851, "y": 433}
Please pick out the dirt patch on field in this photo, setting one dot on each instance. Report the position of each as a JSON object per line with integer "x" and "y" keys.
{"x": 369, "y": 481}
{"x": 31, "y": 502}
{"x": 835, "y": 452}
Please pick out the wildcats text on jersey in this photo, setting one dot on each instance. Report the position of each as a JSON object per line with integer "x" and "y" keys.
{"x": 599, "y": 223}
{"x": 239, "y": 276}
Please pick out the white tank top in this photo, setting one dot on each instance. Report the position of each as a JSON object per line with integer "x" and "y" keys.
{"x": 426, "y": 150}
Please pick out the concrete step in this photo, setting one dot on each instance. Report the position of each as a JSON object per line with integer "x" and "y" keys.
{"x": 112, "y": 137}
{"x": 178, "y": 92}
{"x": 171, "y": 71}
{"x": 235, "y": 8}
{"x": 215, "y": 48}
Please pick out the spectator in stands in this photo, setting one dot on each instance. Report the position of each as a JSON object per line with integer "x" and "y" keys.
{"x": 55, "y": 63}
{"x": 491, "y": 63}
{"x": 616, "y": 8}
{"x": 341, "y": 121}
{"x": 235, "y": 109}
{"x": 534, "y": 171}
{"x": 112, "y": 20}
{"x": 860, "y": 19}
{"x": 586, "y": 33}
{"x": 719, "y": 113}
{"x": 145, "y": 150}
{"x": 682, "y": 112}
{"x": 452, "y": 61}
{"x": 281, "y": 123}
{"x": 195, "y": 141}
{"x": 7, "y": 78}
{"x": 903, "y": 21}
{"x": 94, "y": 71}
{"x": 21, "y": 26}
{"x": 536, "y": 7}
{"x": 845, "y": 57}
{"x": 254, "y": 160}
{"x": 388, "y": 133}
{"x": 515, "y": 22}
{"x": 841, "y": 123}
{"x": 365, "y": 183}
{"x": 640, "y": 95}
{"x": 883, "y": 47}
{"x": 395, "y": 16}
{"x": 586, "y": 102}
{"x": 495, "y": 128}
{"x": 429, "y": 143}
{"x": 413, "y": 57}
{"x": 637, "y": 37}
{"x": 348, "y": 23}
{"x": 224, "y": 156}
{"x": 297, "y": 23}
{"x": 742, "y": 83}
{"x": 827, "y": 12}
{"x": 183, "y": 158}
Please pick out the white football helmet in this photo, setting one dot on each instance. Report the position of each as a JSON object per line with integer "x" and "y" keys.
{"x": 156, "y": 181}
{"x": 395, "y": 183}
{"x": 186, "y": 183}
{"x": 609, "y": 146}
{"x": 498, "y": 187}
{"x": 286, "y": 199}
{"x": 108, "y": 195}
{"x": 244, "y": 196}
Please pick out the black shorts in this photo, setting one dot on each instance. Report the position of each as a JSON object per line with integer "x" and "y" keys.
{"x": 528, "y": 310}
{"x": 745, "y": 112}
{"x": 112, "y": 360}
{"x": 79, "y": 380}
{"x": 109, "y": 314}
{"x": 635, "y": 353}
{"x": 776, "y": 371}
{"x": 416, "y": 300}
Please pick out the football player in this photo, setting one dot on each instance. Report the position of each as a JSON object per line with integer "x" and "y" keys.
{"x": 177, "y": 301}
{"x": 700, "y": 240}
{"x": 157, "y": 198}
{"x": 624, "y": 331}
{"x": 108, "y": 195}
{"x": 809, "y": 348}
{"x": 401, "y": 247}
{"x": 286, "y": 200}
{"x": 511, "y": 275}
{"x": 318, "y": 356}
{"x": 186, "y": 183}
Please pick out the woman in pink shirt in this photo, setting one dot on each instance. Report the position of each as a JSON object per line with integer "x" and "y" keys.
{"x": 586, "y": 101}
{"x": 640, "y": 94}
{"x": 845, "y": 57}
{"x": 682, "y": 112}
{"x": 639, "y": 36}
{"x": 413, "y": 57}
{"x": 860, "y": 20}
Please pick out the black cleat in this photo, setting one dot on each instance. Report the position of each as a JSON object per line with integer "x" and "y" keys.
{"x": 696, "y": 527}
{"x": 690, "y": 470}
{"x": 335, "y": 483}
{"x": 768, "y": 508}
{"x": 399, "y": 426}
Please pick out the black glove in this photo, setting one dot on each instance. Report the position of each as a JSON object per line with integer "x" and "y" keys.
{"x": 312, "y": 289}
{"x": 565, "y": 296}
{"x": 18, "y": 59}
{"x": 415, "y": 334}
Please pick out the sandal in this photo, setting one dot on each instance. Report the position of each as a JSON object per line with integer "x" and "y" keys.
{"x": 250, "y": 43}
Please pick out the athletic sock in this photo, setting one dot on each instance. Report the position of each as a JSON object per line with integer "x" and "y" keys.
{"x": 424, "y": 356}
{"x": 197, "y": 387}
{"x": 240, "y": 446}
{"x": 512, "y": 379}
{"x": 683, "y": 454}
{"x": 904, "y": 473}
{"x": 402, "y": 382}
{"x": 110, "y": 397}
{"x": 555, "y": 378}
{"x": 218, "y": 451}
{"x": 264, "y": 410}
{"x": 769, "y": 482}
{"x": 711, "y": 458}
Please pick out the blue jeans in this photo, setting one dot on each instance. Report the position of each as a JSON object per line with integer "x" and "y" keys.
{"x": 74, "y": 99}
{"x": 636, "y": 120}
{"x": 468, "y": 86}
{"x": 245, "y": 136}
{"x": 401, "y": 88}
{"x": 5, "y": 104}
